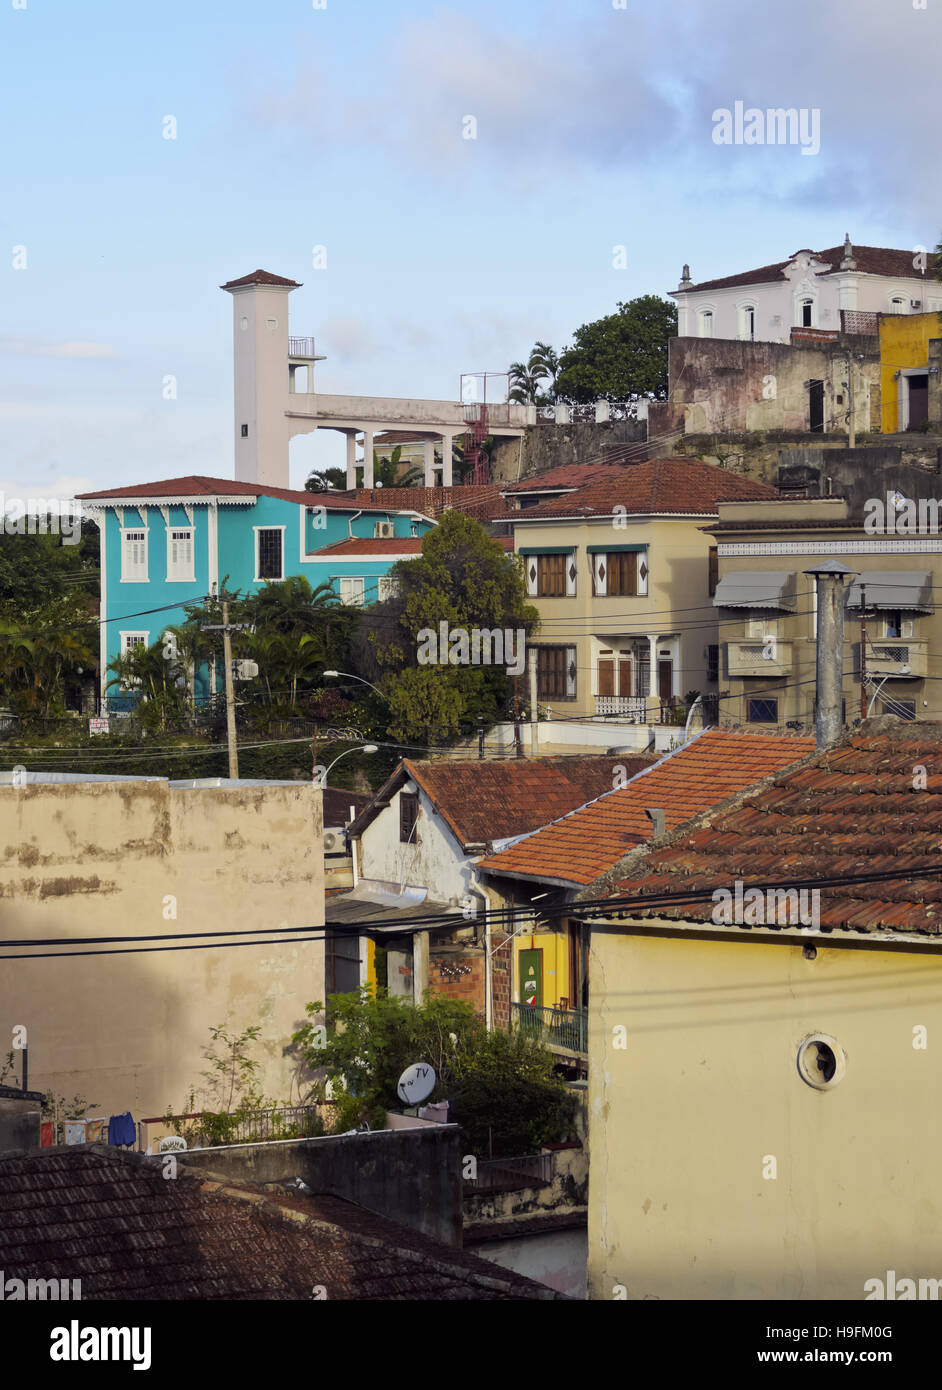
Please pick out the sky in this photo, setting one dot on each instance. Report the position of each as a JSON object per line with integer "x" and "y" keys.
{"x": 591, "y": 176}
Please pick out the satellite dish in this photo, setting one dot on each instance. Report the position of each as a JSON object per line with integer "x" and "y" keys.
{"x": 416, "y": 1083}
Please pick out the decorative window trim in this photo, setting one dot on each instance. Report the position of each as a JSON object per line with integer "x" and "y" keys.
{"x": 190, "y": 576}
{"x": 898, "y": 545}
{"x": 269, "y": 578}
{"x": 128, "y": 531}
{"x": 352, "y": 579}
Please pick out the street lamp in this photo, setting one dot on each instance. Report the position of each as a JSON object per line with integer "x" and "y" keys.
{"x": 333, "y": 675}
{"x": 361, "y": 748}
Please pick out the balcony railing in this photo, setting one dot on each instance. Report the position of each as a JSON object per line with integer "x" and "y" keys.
{"x": 301, "y": 347}
{"x": 760, "y": 657}
{"x": 511, "y": 1174}
{"x": 561, "y": 1029}
{"x": 630, "y": 707}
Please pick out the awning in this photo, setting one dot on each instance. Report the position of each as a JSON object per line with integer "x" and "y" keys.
{"x": 757, "y": 589}
{"x": 909, "y": 589}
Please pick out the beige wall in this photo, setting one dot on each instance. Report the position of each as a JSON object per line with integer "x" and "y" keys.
{"x": 101, "y": 859}
{"x": 794, "y": 687}
{"x": 677, "y": 597}
{"x": 683, "y": 1121}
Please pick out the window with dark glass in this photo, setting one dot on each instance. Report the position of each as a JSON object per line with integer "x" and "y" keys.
{"x": 762, "y": 711}
{"x": 269, "y": 553}
{"x": 556, "y": 673}
{"x": 408, "y": 816}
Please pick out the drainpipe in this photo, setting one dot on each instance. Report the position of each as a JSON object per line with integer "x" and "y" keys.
{"x": 351, "y": 520}
{"x": 829, "y": 654}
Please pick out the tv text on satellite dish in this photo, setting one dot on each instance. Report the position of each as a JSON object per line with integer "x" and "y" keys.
{"x": 416, "y": 1083}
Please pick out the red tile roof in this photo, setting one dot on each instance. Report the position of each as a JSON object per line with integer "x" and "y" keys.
{"x": 569, "y": 475}
{"x": 480, "y": 501}
{"x": 853, "y": 809}
{"x": 260, "y": 277}
{"x": 365, "y": 545}
{"x": 871, "y": 260}
{"x": 196, "y": 485}
{"x": 109, "y": 1218}
{"x": 492, "y": 800}
{"x": 662, "y": 487}
{"x": 590, "y": 841}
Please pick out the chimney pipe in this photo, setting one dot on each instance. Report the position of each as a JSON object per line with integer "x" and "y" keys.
{"x": 658, "y": 819}
{"x": 829, "y": 671}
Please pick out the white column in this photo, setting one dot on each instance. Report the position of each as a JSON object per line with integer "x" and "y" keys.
{"x": 447, "y": 444}
{"x": 652, "y": 673}
{"x": 351, "y": 459}
{"x": 429, "y": 447}
{"x": 367, "y": 458}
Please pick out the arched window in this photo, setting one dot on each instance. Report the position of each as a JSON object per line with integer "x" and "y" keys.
{"x": 706, "y": 323}
{"x": 806, "y": 313}
{"x": 747, "y": 322}
{"x": 897, "y": 304}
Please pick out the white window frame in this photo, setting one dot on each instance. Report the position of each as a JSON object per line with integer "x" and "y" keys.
{"x": 898, "y": 303}
{"x": 177, "y": 576}
{"x": 744, "y": 310}
{"x": 387, "y": 587}
{"x": 269, "y": 578}
{"x": 360, "y": 579}
{"x": 126, "y": 648}
{"x": 129, "y": 531}
{"x": 801, "y": 299}
{"x": 706, "y": 315}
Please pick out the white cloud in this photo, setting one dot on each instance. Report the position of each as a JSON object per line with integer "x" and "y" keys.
{"x": 13, "y": 346}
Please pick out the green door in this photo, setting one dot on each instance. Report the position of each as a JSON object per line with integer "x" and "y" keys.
{"x": 531, "y": 978}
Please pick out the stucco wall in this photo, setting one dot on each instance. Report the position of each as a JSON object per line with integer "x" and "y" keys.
{"x": 436, "y": 861}
{"x": 684, "y": 1120}
{"x": 112, "y": 859}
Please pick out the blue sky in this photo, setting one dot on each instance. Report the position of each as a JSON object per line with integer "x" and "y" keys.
{"x": 342, "y": 127}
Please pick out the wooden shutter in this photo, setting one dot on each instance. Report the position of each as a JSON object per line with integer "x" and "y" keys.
{"x": 606, "y": 676}
{"x": 624, "y": 675}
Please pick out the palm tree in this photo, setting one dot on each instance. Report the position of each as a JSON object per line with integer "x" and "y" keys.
{"x": 525, "y": 379}
{"x": 386, "y": 471}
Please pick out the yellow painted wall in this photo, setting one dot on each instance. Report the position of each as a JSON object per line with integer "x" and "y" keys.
{"x": 555, "y": 948}
{"x": 683, "y": 1120}
{"x": 127, "y": 1032}
{"x": 904, "y": 343}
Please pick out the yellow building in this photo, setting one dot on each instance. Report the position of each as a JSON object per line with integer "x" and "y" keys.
{"x": 760, "y": 1066}
{"x": 907, "y": 390}
{"x": 621, "y": 573}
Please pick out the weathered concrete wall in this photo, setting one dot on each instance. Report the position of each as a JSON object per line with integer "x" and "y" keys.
{"x": 555, "y": 1258}
{"x": 140, "y": 859}
{"x": 568, "y": 1191}
{"x": 20, "y": 1122}
{"x": 728, "y": 387}
{"x": 549, "y": 445}
{"x": 410, "y": 1175}
{"x": 857, "y": 474}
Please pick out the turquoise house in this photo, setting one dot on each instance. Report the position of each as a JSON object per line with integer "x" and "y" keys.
{"x": 171, "y": 543}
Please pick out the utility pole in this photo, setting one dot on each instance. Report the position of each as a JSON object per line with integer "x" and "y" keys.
{"x": 225, "y": 628}
{"x": 518, "y": 746}
{"x": 534, "y": 720}
{"x": 829, "y": 653}
{"x": 851, "y": 423}
{"x": 863, "y": 651}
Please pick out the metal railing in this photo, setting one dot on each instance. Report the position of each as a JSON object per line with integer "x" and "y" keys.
{"x": 631, "y": 707}
{"x": 511, "y": 1174}
{"x": 301, "y": 347}
{"x": 558, "y": 1028}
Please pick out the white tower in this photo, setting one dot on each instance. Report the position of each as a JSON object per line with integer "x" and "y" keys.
{"x": 265, "y": 365}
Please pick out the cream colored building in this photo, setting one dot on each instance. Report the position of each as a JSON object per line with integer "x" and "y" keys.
{"x": 761, "y": 1081}
{"x": 621, "y": 574}
{"x": 767, "y": 611}
{"x": 124, "y": 1023}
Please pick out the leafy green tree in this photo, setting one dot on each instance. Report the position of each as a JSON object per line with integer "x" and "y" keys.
{"x": 502, "y": 1086}
{"x": 323, "y": 479}
{"x": 157, "y": 679}
{"x": 621, "y": 355}
{"x": 466, "y": 580}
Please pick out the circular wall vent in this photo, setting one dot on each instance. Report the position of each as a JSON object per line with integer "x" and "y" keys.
{"x": 821, "y": 1061}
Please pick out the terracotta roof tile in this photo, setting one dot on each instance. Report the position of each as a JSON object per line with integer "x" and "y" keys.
{"x": 587, "y": 843}
{"x": 568, "y": 475}
{"x": 198, "y": 485}
{"x": 366, "y": 545}
{"x": 855, "y": 809}
{"x": 109, "y": 1219}
{"x": 668, "y": 486}
{"x": 260, "y": 277}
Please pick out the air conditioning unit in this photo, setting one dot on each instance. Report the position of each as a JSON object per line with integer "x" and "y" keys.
{"x": 384, "y": 531}
{"x": 332, "y": 842}
{"x": 915, "y": 304}
{"x": 244, "y": 670}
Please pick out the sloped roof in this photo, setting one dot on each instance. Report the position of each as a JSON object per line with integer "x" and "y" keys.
{"x": 871, "y": 260}
{"x": 567, "y": 476}
{"x": 198, "y": 485}
{"x": 659, "y": 487}
{"x": 482, "y": 501}
{"x": 493, "y": 799}
{"x": 367, "y": 545}
{"x": 260, "y": 277}
{"x": 109, "y": 1218}
{"x": 582, "y": 846}
{"x": 854, "y": 809}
